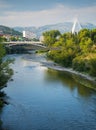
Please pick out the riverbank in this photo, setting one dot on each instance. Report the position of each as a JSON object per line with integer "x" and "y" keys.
{"x": 70, "y": 70}
{"x": 75, "y": 74}
{"x": 83, "y": 79}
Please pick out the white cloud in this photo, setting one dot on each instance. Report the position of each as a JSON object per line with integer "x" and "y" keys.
{"x": 60, "y": 13}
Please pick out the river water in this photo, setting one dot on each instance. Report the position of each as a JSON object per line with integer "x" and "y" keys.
{"x": 46, "y": 99}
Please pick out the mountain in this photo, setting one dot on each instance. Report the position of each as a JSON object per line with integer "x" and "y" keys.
{"x": 62, "y": 27}
{"x": 88, "y": 25}
{"x": 8, "y": 30}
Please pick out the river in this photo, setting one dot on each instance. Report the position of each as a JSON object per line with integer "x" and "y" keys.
{"x": 45, "y": 99}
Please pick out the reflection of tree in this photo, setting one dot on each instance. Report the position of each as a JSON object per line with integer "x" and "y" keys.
{"x": 85, "y": 82}
{"x": 84, "y": 89}
{"x": 84, "y": 92}
{"x": 54, "y": 76}
{"x": 68, "y": 81}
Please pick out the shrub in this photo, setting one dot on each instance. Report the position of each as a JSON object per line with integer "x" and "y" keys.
{"x": 93, "y": 67}
{"x": 79, "y": 64}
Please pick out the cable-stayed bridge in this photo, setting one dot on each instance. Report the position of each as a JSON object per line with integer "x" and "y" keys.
{"x": 76, "y": 26}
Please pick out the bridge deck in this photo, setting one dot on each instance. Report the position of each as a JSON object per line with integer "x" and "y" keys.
{"x": 31, "y": 44}
{"x": 23, "y": 42}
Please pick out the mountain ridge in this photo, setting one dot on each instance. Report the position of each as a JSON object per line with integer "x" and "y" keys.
{"x": 9, "y": 31}
{"x": 62, "y": 27}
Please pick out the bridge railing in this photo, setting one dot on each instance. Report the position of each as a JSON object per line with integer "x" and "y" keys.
{"x": 23, "y": 42}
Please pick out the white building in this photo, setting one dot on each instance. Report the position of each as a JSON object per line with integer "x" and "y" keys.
{"x": 41, "y": 38}
{"x": 24, "y": 34}
{"x": 29, "y": 35}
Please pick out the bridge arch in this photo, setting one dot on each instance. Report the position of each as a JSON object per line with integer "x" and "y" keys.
{"x": 24, "y": 47}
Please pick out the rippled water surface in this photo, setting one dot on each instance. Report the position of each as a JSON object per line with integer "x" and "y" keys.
{"x": 44, "y": 99}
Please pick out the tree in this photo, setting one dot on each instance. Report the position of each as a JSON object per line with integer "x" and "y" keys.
{"x": 93, "y": 35}
{"x": 86, "y": 44}
{"x": 93, "y": 66}
{"x": 5, "y": 71}
{"x": 13, "y": 38}
{"x": 84, "y": 33}
{"x": 74, "y": 50}
{"x": 2, "y": 52}
{"x": 50, "y": 37}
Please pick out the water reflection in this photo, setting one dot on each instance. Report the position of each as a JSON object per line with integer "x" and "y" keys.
{"x": 67, "y": 81}
{"x": 0, "y": 120}
{"x": 44, "y": 99}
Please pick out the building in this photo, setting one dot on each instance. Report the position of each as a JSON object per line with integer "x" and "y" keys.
{"x": 29, "y": 35}
{"x": 41, "y": 38}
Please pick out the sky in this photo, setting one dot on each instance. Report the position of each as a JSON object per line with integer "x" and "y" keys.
{"x": 44, "y": 12}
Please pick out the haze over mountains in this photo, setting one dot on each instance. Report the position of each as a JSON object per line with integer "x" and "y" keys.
{"x": 62, "y": 27}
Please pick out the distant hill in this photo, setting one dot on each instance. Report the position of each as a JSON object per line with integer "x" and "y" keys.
{"x": 8, "y": 30}
{"x": 62, "y": 27}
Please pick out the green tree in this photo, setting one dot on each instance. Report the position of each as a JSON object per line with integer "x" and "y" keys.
{"x": 50, "y": 37}
{"x": 84, "y": 33}
{"x": 13, "y": 38}
{"x": 2, "y": 52}
{"x": 93, "y": 35}
{"x": 74, "y": 50}
{"x": 86, "y": 44}
{"x": 93, "y": 66}
{"x": 5, "y": 71}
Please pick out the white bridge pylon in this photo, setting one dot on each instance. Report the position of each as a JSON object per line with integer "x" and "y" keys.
{"x": 76, "y": 26}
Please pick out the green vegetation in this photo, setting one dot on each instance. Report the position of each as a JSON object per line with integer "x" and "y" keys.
{"x": 77, "y": 51}
{"x": 5, "y": 71}
{"x": 5, "y": 74}
{"x": 50, "y": 37}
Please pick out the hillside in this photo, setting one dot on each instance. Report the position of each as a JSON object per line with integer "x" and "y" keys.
{"x": 8, "y": 30}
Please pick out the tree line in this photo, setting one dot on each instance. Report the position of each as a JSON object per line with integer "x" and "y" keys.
{"x": 5, "y": 71}
{"x": 77, "y": 51}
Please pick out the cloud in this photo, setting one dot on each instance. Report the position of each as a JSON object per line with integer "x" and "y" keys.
{"x": 4, "y": 5}
{"x": 58, "y": 14}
